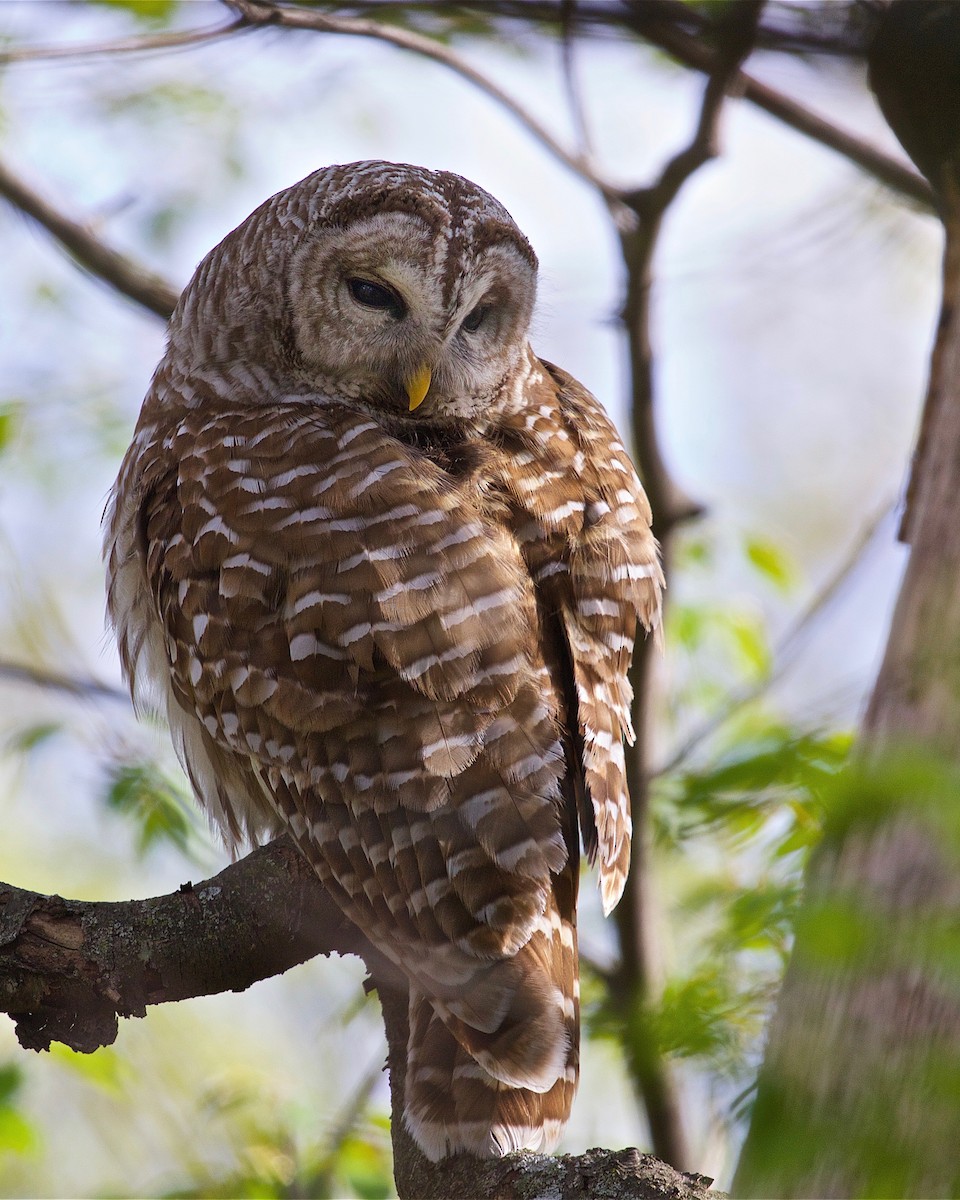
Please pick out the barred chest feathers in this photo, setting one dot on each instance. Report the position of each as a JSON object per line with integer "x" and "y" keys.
{"x": 382, "y": 569}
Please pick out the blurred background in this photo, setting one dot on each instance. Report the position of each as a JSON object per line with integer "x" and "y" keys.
{"x": 794, "y": 300}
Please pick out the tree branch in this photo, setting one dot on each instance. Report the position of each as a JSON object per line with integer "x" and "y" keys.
{"x": 134, "y": 45}
{"x": 683, "y": 32}
{"x": 70, "y": 968}
{"x": 574, "y": 98}
{"x": 657, "y": 26}
{"x": 73, "y": 685}
{"x": 664, "y": 24}
{"x": 124, "y": 274}
{"x": 638, "y": 977}
{"x": 260, "y": 12}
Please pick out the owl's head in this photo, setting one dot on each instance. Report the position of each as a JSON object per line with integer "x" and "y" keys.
{"x": 412, "y": 290}
{"x": 403, "y": 289}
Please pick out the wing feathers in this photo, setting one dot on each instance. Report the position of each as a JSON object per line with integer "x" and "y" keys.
{"x": 403, "y": 667}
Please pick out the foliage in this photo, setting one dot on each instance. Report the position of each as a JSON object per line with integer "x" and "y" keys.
{"x": 158, "y": 806}
{"x": 735, "y": 821}
{"x": 899, "y": 935}
{"x": 734, "y": 837}
{"x": 146, "y": 12}
{"x": 18, "y": 1136}
{"x": 9, "y": 421}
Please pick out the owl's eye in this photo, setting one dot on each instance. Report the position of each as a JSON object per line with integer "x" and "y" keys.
{"x": 474, "y": 319}
{"x": 375, "y": 295}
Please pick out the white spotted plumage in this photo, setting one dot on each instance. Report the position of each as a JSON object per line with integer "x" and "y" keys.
{"x": 398, "y": 624}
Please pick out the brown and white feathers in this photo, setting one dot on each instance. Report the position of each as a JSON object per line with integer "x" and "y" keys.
{"x": 382, "y": 569}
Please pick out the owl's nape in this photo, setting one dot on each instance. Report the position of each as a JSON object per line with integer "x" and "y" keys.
{"x": 382, "y": 568}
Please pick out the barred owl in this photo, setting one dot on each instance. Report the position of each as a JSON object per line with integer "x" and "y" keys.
{"x": 382, "y": 567}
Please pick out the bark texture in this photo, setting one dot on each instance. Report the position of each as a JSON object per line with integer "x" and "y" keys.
{"x": 859, "y": 1091}
{"x": 70, "y": 968}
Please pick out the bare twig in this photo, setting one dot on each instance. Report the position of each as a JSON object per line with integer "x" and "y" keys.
{"x": 259, "y": 12}
{"x": 133, "y": 45}
{"x": 159, "y": 296}
{"x": 786, "y": 652}
{"x": 681, "y": 30}
{"x": 124, "y": 274}
{"x": 568, "y": 13}
{"x": 74, "y": 685}
{"x": 639, "y": 974}
{"x": 664, "y": 25}
{"x": 669, "y": 36}
{"x": 725, "y": 72}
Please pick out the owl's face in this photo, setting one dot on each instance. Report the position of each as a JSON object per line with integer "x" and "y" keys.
{"x": 413, "y": 299}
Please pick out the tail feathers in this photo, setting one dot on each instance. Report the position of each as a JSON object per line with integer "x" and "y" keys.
{"x": 531, "y": 1046}
{"x": 454, "y": 1104}
{"x": 492, "y": 1064}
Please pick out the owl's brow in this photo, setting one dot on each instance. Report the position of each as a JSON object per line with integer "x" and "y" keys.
{"x": 460, "y": 219}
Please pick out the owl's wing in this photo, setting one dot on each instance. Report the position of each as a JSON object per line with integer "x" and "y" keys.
{"x": 341, "y": 619}
{"x": 588, "y": 542}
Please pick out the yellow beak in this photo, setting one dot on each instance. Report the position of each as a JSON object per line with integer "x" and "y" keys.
{"x": 417, "y": 387}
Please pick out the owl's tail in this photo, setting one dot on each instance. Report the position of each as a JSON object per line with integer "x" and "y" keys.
{"x": 490, "y": 1092}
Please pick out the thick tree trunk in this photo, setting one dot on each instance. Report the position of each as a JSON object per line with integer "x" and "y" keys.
{"x": 860, "y": 1091}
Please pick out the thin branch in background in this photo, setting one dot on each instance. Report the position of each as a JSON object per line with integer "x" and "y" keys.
{"x": 159, "y": 296}
{"x": 132, "y": 45}
{"x": 664, "y": 24}
{"x": 578, "y": 114}
{"x": 682, "y": 32}
{"x": 258, "y": 12}
{"x": 639, "y": 974}
{"x": 790, "y": 644}
{"x": 73, "y": 685}
{"x": 669, "y": 36}
{"x": 722, "y": 79}
{"x": 124, "y": 274}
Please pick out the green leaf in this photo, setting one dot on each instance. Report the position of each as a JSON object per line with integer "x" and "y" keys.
{"x": 105, "y": 1069}
{"x": 154, "y": 802}
{"x": 749, "y": 635}
{"x": 366, "y": 1167}
{"x": 772, "y": 562}
{"x": 25, "y": 740}
{"x": 148, "y": 12}
{"x": 11, "y": 415}
{"x": 692, "y": 1019}
{"x": 11, "y": 1080}
{"x": 17, "y": 1134}
{"x": 780, "y": 757}
{"x": 687, "y": 625}
{"x": 693, "y": 551}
